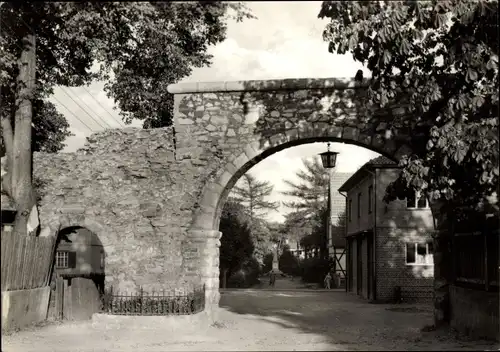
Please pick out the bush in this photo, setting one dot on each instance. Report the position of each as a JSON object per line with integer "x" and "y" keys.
{"x": 315, "y": 269}
{"x": 268, "y": 262}
{"x": 246, "y": 276}
{"x": 289, "y": 264}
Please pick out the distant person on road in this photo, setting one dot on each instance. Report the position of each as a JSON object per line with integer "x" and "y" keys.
{"x": 272, "y": 279}
{"x": 328, "y": 280}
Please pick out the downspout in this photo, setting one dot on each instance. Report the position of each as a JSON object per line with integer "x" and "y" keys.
{"x": 374, "y": 249}
{"x": 345, "y": 238}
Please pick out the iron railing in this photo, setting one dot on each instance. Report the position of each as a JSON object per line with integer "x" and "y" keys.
{"x": 155, "y": 303}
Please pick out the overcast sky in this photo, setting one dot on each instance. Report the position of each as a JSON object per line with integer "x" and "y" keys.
{"x": 284, "y": 42}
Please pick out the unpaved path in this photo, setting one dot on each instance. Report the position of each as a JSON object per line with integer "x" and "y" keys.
{"x": 262, "y": 320}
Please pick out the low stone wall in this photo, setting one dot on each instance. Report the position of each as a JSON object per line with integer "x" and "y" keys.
{"x": 24, "y": 307}
{"x": 475, "y": 313}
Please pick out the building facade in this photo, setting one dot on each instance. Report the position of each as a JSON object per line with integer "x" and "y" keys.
{"x": 336, "y": 233}
{"x": 389, "y": 246}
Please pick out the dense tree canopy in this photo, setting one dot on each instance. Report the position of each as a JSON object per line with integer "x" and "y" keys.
{"x": 138, "y": 47}
{"x": 441, "y": 59}
{"x": 236, "y": 242}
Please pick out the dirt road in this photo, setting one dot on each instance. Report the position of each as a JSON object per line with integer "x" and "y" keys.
{"x": 263, "y": 320}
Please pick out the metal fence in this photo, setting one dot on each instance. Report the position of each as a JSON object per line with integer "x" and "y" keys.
{"x": 155, "y": 303}
{"x": 476, "y": 259}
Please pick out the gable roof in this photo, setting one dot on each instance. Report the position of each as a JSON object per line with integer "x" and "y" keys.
{"x": 380, "y": 162}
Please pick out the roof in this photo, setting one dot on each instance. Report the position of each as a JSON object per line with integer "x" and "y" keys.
{"x": 380, "y": 162}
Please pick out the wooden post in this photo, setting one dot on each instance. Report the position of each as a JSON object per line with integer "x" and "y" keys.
{"x": 59, "y": 298}
{"x": 68, "y": 301}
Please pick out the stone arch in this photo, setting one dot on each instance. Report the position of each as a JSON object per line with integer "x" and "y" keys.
{"x": 58, "y": 223}
{"x": 224, "y": 128}
{"x": 216, "y": 192}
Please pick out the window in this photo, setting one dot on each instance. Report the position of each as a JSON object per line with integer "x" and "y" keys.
{"x": 102, "y": 259}
{"x": 62, "y": 260}
{"x": 370, "y": 196}
{"x": 65, "y": 259}
{"x": 413, "y": 202}
{"x": 359, "y": 205}
{"x": 419, "y": 253}
{"x": 349, "y": 210}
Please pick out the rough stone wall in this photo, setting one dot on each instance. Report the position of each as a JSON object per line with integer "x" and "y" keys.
{"x": 154, "y": 197}
{"x": 128, "y": 188}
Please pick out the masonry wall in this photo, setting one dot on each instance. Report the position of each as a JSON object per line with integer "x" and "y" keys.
{"x": 396, "y": 226}
{"x": 416, "y": 281}
{"x": 130, "y": 189}
{"x": 366, "y": 220}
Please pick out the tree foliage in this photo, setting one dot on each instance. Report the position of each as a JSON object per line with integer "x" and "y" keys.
{"x": 253, "y": 193}
{"x": 441, "y": 59}
{"x": 236, "y": 242}
{"x": 310, "y": 193}
{"x": 50, "y": 131}
{"x": 138, "y": 47}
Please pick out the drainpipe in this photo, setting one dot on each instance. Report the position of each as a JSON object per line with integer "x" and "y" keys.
{"x": 374, "y": 249}
{"x": 345, "y": 238}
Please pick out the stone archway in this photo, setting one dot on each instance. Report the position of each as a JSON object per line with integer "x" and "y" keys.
{"x": 234, "y": 125}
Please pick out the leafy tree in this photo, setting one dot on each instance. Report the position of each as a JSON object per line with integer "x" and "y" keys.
{"x": 440, "y": 58}
{"x": 289, "y": 263}
{"x": 140, "y": 47}
{"x": 51, "y": 129}
{"x": 253, "y": 193}
{"x": 236, "y": 242}
{"x": 312, "y": 191}
{"x": 317, "y": 240}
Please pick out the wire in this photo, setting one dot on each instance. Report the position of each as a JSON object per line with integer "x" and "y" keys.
{"x": 97, "y": 101}
{"x": 97, "y": 115}
{"x": 65, "y": 92}
{"x": 71, "y": 112}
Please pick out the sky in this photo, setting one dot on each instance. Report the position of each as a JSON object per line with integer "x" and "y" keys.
{"x": 285, "y": 41}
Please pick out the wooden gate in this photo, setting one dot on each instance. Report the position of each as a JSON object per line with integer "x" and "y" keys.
{"x": 77, "y": 298}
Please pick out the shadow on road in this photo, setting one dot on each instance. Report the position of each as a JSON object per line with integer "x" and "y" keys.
{"x": 342, "y": 319}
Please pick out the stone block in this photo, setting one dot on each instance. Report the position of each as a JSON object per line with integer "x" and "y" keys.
{"x": 182, "y": 121}
{"x": 241, "y": 160}
{"x": 73, "y": 209}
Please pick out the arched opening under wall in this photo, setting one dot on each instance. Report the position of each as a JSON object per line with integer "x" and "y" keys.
{"x": 365, "y": 242}
{"x": 251, "y": 235}
{"x": 78, "y": 274}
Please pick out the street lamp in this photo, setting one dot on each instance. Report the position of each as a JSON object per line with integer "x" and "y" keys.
{"x": 328, "y": 158}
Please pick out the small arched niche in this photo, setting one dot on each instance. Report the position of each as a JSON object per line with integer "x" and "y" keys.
{"x": 78, "y": 274}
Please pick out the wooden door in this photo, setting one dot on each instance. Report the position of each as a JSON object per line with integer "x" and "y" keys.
{"x": 369, "y": 244}
{"x": 359, "y": 266}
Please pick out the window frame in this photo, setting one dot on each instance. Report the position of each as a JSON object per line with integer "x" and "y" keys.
{"x": 415, "y": 202}
{"x": 427, "y": 255}
{"x": 103, "y": 258}
{"x": 65, "y": 257}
